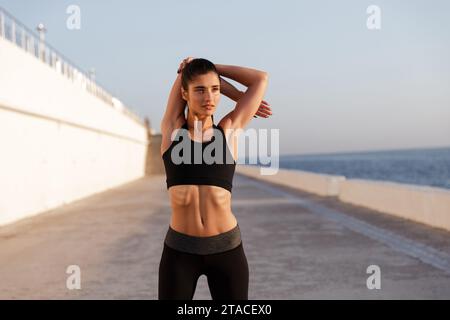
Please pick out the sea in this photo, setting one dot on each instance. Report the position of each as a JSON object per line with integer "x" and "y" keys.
{"x": 426, "y": 166}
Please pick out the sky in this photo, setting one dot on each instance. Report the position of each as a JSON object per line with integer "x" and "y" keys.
{"x": 334, "y": 84}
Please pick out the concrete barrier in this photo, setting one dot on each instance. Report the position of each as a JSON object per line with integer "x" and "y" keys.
{"x": 427, "y": 205}
{"x": 422, "y": 204}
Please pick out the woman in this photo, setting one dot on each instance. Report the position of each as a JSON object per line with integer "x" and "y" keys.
{"x": 203, "y": 235}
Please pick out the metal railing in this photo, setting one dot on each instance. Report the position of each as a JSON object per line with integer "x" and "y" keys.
{"x": 16, "y": 32}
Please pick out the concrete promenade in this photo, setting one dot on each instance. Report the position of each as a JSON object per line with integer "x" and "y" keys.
{"x": 298, "y": 246}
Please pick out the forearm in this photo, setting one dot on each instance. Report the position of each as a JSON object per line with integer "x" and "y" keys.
{"x": 246, "y": 76}
{"x": 229, "y": 90}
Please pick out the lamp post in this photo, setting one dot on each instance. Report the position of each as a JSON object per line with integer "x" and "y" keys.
{"x": 42, "y": 30}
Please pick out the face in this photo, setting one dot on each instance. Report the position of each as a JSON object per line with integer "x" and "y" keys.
{"x": 203, "y": 94}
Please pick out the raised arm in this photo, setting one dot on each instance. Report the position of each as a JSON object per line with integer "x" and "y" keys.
{"x": 248, "y": 104}
{"x": 235, "y": 94}
{"x": 229, "y": 90}
{"x": 175, "y": 104}
{"x": 175, "y": 107}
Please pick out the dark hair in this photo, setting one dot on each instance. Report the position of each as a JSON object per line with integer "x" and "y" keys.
{"x": 194, "y": 68}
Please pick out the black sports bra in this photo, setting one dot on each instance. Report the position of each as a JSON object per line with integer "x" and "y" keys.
{"x": 199, "y": 169}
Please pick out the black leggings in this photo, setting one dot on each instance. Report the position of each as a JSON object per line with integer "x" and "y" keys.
{"x": 227, "y": 274}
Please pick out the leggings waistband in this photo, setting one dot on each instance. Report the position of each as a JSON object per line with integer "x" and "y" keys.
{"x": 203, "y": 245}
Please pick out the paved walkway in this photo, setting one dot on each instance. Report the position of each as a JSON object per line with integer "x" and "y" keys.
{"x": 299, "y": 246}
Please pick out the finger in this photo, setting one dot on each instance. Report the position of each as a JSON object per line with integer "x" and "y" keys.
{"x": 262, "y": 114}
{"x": 269, "y": 112}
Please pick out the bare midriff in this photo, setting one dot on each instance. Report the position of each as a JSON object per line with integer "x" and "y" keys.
{"x": 201, "y": 210}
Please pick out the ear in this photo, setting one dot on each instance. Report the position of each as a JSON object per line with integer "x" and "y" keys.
{"x": 184, "y": 94}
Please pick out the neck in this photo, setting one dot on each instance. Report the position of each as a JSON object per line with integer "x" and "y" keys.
{"x": 199, "y": 123}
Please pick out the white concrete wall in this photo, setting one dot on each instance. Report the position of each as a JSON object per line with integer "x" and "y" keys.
{"x": 422, "y": 204}
{"x": 58, "y": 142}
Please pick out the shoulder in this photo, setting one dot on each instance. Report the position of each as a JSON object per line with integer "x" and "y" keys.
{"x": 225, "y": 123}
{"x": 229, "y": 128}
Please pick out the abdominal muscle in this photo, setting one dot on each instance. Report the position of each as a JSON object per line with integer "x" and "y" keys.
{"x": 201, "y": 210}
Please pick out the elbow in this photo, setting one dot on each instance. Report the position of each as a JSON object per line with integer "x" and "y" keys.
{"x": 259, "y": 78}
{"x": 264, "y": 76}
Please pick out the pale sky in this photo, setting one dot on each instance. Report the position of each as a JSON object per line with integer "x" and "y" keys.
{"x": 334, "y": 85}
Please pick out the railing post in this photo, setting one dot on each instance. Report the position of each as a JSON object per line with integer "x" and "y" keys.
{"x": 32, "y": 48}
{"x": 22, "y": 38}
{"x": 13, "y": 31}
{"x": 58, "y": 64}
{"x": 2, "y": 24}
{"x": 53, "y": 59}
{"x": 28, "y": 43}
{"x": 71, "y": 74}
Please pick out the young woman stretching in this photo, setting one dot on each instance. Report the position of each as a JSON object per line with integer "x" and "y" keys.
{"x": 203, "y": 236}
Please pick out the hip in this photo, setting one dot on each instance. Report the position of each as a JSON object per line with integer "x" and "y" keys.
{"x": 218, "y": 243}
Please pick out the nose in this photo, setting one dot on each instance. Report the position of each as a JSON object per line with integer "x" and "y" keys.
{"x": 209, "y": 96}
